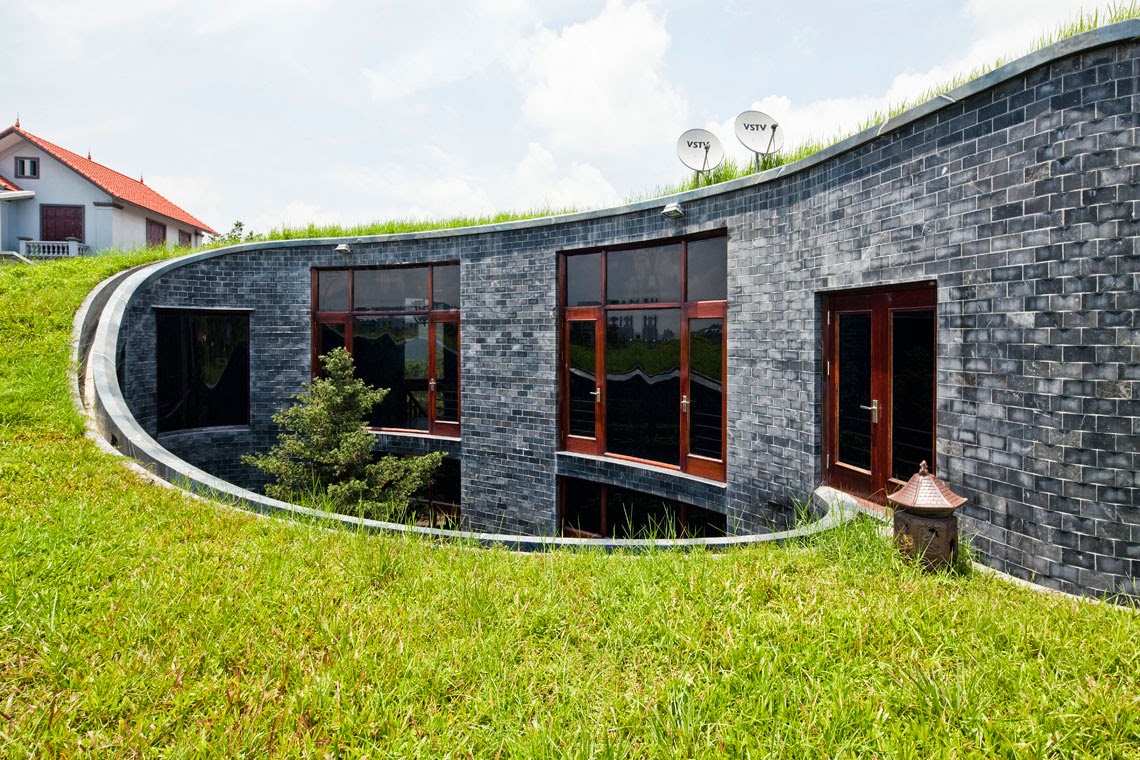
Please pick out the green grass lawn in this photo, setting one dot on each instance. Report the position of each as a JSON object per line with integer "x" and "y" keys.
{"x": 136, "y": 621}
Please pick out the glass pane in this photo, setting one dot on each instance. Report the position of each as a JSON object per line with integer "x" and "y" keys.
{"x": 330, "y": 336}
{"x": 447, "y": 372}
{"x": 706, "y": 387}
{"x": 392, "y": 353}
{"x": 445, "y": 284}
{"x": 643, "y": 384}
{"x": 584, "y": 280}
{"x": 912, "y": 384}
{"x": 332, "y": 290}
{"x": 708, "y": 270}
{"x": 583, "y": 378}
{"x": 855, "y": 389}
{"x": 201, "y": 370}
{"x": 582, "y": 508}
{"x": 644, "y": 275}
{"x": 390, "y": 289}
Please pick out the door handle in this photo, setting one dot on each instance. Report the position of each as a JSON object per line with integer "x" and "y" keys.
{"x": 684, "y": 404}
{"x": 873, "y": 409}
{"x": 597, "y": 394}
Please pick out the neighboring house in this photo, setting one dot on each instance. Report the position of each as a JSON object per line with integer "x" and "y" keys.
{"x": 57, "y": 203}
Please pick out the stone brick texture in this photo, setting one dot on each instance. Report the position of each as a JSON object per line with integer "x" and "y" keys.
{"x": 1020, "y": 202}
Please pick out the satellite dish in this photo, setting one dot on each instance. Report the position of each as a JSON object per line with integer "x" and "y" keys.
{"x": 700, "y": 150}
{"x": 759, "y": 132}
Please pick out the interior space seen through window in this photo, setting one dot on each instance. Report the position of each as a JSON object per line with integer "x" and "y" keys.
{"x": 401, "y": 325}
{"x": 593, "y": 510}
{"x": 643, "y": 357}
{"x": 201, "y": 369}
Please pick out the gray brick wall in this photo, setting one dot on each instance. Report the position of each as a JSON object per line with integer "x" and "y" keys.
{"x": 1018, "y": 201}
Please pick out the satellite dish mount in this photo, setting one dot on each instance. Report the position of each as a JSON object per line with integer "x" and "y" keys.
{"x": 760, "y": 133}
{"x": 700, "y": 150}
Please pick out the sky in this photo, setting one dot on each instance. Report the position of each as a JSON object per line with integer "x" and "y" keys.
{"x": 279, "y": 112}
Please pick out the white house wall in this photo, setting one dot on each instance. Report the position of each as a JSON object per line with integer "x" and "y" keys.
{"x": 56, "y": 185}
{"x": 130, "y": 228}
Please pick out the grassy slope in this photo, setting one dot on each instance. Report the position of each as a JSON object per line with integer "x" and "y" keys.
{"x": 135, "y": 621}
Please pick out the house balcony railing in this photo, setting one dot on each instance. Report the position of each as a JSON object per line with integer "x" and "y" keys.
{"x": 53, "y": 249}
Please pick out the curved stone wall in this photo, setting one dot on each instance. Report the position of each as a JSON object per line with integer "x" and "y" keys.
{"x": 1014, "y": 195}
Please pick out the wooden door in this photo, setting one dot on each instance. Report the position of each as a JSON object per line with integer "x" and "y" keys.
{"x": 61, "y": 222}
{"x": 880, "y": 379}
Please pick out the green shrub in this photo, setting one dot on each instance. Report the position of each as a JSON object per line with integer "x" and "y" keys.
{"x": 324, "y": 457}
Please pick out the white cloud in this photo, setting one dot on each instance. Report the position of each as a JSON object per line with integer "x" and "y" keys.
{"x": 294, "y": 214}
{"x": 537, "y": 181}
{"x": 196, "y": 195}
{"x": 1006, "y": 29}
{"x": 598, "y": 85}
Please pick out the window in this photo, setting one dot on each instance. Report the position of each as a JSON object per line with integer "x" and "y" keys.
{"x": 185, "y": 239}
{"x": 155, "y": 234}
{"x": 202, "y": 369}
{"x": 643, "y": 354}
{"x": 401, "y": 325}
{"x": 27, "y": 168}
{"x": 592, "y": 510}
{"x": 437, "y": 505}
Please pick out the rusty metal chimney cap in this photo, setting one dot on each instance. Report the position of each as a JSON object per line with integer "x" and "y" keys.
{"x": 924, "y": 494}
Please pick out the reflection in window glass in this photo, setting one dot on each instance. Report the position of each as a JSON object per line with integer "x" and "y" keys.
{"x": 392, "y": 353}
{"x": 201, "y": 369}
{"x": 644, "y": 275}
{"x": 331, "y": 336}
{"x": 445, "y": 286}
{"x": 643, "y": 382}
{"x": 706, "y": 387}
{"x": 390, "y": 289}
{"x": 584, "y": 280}
{"x": 583, "y": 384}
{"x": 447, "y": 372}
{"x": 707, "y": 278}
{"x": 332, "y": 290}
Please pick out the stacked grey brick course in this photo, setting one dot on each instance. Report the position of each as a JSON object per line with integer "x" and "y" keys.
{"x": 1019, "y": 199}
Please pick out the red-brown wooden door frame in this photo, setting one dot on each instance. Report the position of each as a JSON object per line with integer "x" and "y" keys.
{"x": 59, "y": 222}
{"x": 875, "y": 482}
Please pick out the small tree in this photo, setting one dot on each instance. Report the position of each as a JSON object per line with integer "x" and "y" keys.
{"x": 324, "y": 454}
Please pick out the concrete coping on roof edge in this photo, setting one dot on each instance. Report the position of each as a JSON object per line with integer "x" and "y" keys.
{"x": 1122, "y": 31}
{"x": 111, "y": 424}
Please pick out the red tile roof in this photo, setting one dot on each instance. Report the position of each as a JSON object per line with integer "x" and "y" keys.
{"x": 118, "y": 185}
{"x": 6, "y": 184}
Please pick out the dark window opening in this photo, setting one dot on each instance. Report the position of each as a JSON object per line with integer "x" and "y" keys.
{"x": 201, "y": 369}
{"x": 185, "y": 239}
{"x": 401, "y": 325}
{"x": 27, "y": 168}
{"x": 437, "y": 505}
{"x": 643, "y": 354}
{"x": 593, "y": 510}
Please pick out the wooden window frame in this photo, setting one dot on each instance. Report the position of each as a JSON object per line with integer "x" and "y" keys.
{"x": 690, "y": 463}
{"x": 435, "y": 317}
{"x": 33, "y": 161}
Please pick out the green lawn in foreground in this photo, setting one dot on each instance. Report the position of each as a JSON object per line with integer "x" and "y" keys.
{"x": 138, "y": 622}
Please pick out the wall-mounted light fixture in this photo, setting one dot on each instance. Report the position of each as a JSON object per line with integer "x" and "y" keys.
{"x": 343, "y": 248}
{"x": 673, "y": 211}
